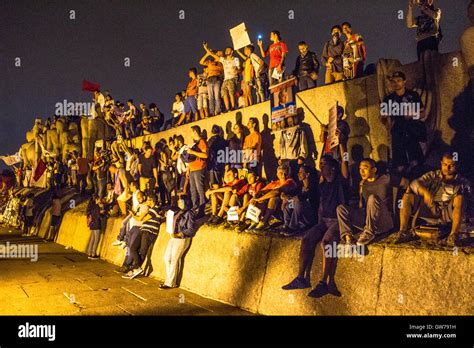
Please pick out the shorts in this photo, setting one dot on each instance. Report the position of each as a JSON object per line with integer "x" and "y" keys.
{"x": 55, "y": 220}
{"x": 442, "y": 213}
{"x": 229, "y": 87}
{"x": 190, "y": 104}
{"x": 202, "y": 101}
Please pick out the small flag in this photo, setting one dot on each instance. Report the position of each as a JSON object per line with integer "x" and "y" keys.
{"x": 90, "y": 86}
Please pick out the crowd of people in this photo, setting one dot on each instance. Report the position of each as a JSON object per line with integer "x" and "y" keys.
{"x": 347, "y": 197}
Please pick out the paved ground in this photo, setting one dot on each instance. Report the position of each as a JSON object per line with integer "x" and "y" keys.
{"x": 65, "y": 282}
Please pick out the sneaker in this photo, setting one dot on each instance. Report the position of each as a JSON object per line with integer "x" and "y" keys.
{"x": 117, "y": 242}
{"x": 347, "y": 239}
{"x": 166, "y": 287}
{"x": 136, "y": 272}
{"x": 365, "y": 238}
{"x": 252, "y": 226}
{"x": 289, "y": 232}
{"x": 404, "y": 236}
{"x": 229, "y": 224}
{"x": 211, "y": 220}
{"x": 123, "y": 269}
{"x": 241, "y": 226}
{"x": 219, "y": 220}
{"x": 319, "y": 291}
{"x": 333, "y": 290}
{"x": 261, "y": 226}
{"x": 128, "y": 275}
{"x": 297, "y": 283}
{"x": 453, "y": 240}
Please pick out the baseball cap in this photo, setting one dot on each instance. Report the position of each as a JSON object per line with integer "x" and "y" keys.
{"x": 397, "y": 74}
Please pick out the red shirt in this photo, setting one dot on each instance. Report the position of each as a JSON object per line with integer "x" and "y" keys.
{"x": 251, "y": 189}
{"x": 198, "y": 163}
{"x": 276, "y": 51}
{"x": 237, "y": 184}
{"x": 288, "y": 186}
{"x": 192, "y": 88}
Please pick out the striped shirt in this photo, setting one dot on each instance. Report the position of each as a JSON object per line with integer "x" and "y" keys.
{"x": 153, "y": 225}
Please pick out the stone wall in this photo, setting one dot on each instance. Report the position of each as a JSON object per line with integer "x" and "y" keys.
{"x": 248, "y": 270}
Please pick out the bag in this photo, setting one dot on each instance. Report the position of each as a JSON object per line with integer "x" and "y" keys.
{"x": 428, "y": 232}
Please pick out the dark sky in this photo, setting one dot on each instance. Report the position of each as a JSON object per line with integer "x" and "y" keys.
{"x": 57, "y": 53}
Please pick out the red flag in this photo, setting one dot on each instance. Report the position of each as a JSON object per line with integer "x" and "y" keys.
{"x": 90, "y": 86}
{"x": 39, "y": 170}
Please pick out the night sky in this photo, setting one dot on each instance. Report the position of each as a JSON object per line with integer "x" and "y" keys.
{"x": 57, "y": 53}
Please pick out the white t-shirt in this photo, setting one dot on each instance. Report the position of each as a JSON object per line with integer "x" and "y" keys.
{"x": 101, "y": 101}
{"x": 180, "y": 165}
{"x": 179, "y": 107}
{"x": 135, "y": 201}
{"x": 142, "y": 210}
{"x": 229, "y": 67}
{"x": 255, "y": 62}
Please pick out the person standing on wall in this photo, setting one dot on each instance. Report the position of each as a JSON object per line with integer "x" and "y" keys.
{"x": 428, "y": 30}
{"x": 197, "y": 171}
{"x": 184, "y": 231}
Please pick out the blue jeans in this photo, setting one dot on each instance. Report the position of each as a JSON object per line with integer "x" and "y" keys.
{"x": 196, "y": 184}
{"x": 101, "y": 187}
{"x": 299, "y": 214}
{"x": 214, "y": 92}
{"x": 133, "y": 234}
{"x": 124, "y": 228}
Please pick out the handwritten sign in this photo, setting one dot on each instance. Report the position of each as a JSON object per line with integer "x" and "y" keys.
{"x": 240, "y": 36}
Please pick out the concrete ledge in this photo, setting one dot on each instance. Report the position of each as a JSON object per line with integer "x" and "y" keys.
{"x": 248, "y": 270}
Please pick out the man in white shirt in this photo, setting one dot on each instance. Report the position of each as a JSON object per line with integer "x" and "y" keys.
{"x": 100, "y": 99}
{"x": 231, "y": 72}
{"x": 126, "y": 221}
{"x": 177, "y": 108}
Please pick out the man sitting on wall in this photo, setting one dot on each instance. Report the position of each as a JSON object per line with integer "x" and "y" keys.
{"x": 223, "y": 194}
{"x": 444, "y": 193}
{"x": 270, "y": 198}
{"x": 374, "y": 214}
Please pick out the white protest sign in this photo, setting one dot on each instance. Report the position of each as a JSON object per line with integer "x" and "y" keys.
{"x": 253, "y": 213}
{"x": 232, "y": 214}
{"x": 240, "y": 36}
{"x": 333, "y": 139}
{"x": 170, "y": 221}
{"x": 278, "y": 75}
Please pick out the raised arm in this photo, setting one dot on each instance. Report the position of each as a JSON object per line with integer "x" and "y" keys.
{"x": 410, "y": 22}
{"x": 241, "y": 55}
{"x": 203, "y": 59}
{"x": 435, "y": 14}
{"x": 260, "y": 45}
{"x": 209, "y": 52}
